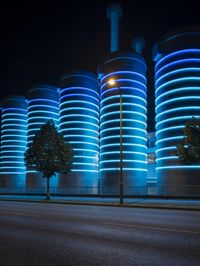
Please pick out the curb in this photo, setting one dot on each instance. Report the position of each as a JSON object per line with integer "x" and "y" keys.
{"x": 147, "y": 206}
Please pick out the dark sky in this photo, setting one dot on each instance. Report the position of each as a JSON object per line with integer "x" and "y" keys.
{"x": 42, "y": 40}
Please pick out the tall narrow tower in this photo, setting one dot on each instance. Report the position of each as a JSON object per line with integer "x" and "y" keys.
{"x": 114, "y": 13}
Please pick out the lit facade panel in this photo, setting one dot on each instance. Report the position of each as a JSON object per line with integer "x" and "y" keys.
{"x": 13, "y": 141}
{"x": 129, "y": 73}
{"x": 177, "y": 84}
{"x": 43, "y": 105}
{"x": 79, "y": 124}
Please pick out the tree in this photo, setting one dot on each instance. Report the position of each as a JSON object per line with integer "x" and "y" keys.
{"x": 48, "y": 153}
{"x": 188, "y": 150}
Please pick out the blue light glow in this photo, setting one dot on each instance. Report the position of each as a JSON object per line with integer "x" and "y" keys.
{"x": 124, "y": 169}
{"x": 195, "y": 89}
{"x": 124, "y": 88}
{"x": 177, "y": 71}
{"x": 125, "y": 120}
{"x": 79, "y": 122}
{"x": 177, "y": 96}
{"x": 80, "y": 115}
{"x": 78, "y": 94}
{"x": 131, "y": 82}
{"x": 177, "y": 118}
{"x": 117, "y": 128}
{"x": 123, "y": 112}
{"x": 123, "y": 104}
{"x": 78, "y": 101}
{"x": 123, "y": 96}
{"x": 179, "y": 167}
{"x": 124, "y": 136}
{"x": 177, "y": 109}
{"x": 107, "y": 76}
{"x": 106, "y": 84}
{"x": 125, "y": 161}
{"x": 80, "y": 88}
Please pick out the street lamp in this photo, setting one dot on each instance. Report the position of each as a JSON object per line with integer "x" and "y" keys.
{"x": 121, "y": 183}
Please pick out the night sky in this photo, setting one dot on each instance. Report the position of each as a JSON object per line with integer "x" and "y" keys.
{"x": 40, "y": 41}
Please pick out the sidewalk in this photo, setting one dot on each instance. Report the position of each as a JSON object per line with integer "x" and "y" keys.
{"x": 178, "y": 204}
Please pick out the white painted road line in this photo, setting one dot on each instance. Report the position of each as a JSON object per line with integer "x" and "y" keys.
{"x": 153, "y": 228}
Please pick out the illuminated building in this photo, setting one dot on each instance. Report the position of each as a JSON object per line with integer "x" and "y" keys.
{"x": 86, "y": 111}
{"x": 42, "y": 106}
{"x": 79, "y": 124}
{"x": 129, "y": 72}
{"x": 13, "y": 142}
{"x": 177, "y": 75}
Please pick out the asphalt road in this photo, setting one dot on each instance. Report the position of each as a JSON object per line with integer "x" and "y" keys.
{"x": 56, "y": 234}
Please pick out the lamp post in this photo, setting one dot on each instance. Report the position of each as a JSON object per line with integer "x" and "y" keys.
{"x": 121, "y": 181}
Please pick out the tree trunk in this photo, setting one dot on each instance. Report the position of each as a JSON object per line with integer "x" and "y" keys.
{"x": 48, "y": 192}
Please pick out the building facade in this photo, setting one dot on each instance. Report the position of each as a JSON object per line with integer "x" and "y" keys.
{"x": 86, "y": 110}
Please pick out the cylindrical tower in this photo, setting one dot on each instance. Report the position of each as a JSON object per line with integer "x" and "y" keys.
{"x": 79, "y": 124}
{"x": 114, "y": 13}
{"x": 13, "y": 143}
{"x": 177, "y": 76}
{"x": 129, "y": 72}
{"x": 42, "y": 106}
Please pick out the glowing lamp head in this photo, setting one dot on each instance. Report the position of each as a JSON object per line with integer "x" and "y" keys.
{"x": 111, "y": 82}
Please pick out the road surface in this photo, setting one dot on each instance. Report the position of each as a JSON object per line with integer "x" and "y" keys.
{"x": 56, "y": 234}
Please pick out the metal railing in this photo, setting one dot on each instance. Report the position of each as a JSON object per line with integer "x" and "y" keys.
{"x": 129, "y": 191}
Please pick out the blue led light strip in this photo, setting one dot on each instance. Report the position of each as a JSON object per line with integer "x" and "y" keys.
{"x": 166, "y": 148}
{"x": 178, "y": 90}
{"x": 84, "y": 170}
{"x": 124, "y": 169}
{"x": 184, "y": 51}
{"x": 78, "y": 94}
{"x": 169, "y": 128}
{"x": 106, "y": 84}
{"x": 177, "y": 71}
{"x": 124, "y": 144}
{"x": 171, "y": 138}
{"x": 127, "y": 152}
{"x": 124, "y": 88}
{"x": 177, "y": 109}
{"x": 78, "y": 101}
{"x": 124, "y": 120}
{"x": 124, "y": 136}
{"x": 83, "y": 142}
{"x": 117, "y": 128}
{"x": 125, "y": 161}
{"x": 78, "y": 115}
{"x": 179, "y": 167}
{"x": 123, "y": 112}
{"x": 11, "y": 114}
{"x": 176, "y": 81}
{"x": 123, "y": 97}
{"x": 78, "y": 88}
{"x": 78, "y": 108}
{"x": 43, "y": 100}
{"x": 76, "y": 129}
{"x": 167, "y": 158}
{"x": 79, "y": 122}
{"x": 122, "y": 72}
{"x": 123, "y": 104}
{"x": 80, "y": 136}
{"x": 174, "y": 119}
